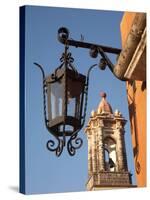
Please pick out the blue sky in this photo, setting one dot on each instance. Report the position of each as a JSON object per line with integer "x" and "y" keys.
{"x": 46, "y": 173}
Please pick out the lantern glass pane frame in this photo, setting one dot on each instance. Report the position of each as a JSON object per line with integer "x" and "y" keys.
{"x": 63, "y": 86}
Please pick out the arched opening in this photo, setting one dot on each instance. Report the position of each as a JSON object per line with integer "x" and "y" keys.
{"x": 106, "y": 155}
{"x": 110, "y": 154}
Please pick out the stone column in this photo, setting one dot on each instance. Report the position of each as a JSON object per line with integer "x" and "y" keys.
{"x": 124, "y": 151}
{"x": 90, "y": 168}
{"x": 120, "y": 150}
{"x": 101, "y": 159}
{"x": 94, "y": 151}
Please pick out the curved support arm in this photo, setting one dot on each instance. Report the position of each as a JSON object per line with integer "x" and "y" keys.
{"x": 109, "y": 63}
{"x": 86, "y": 91}
{"x": 41, "y": 68}
{"x": 44, "y": 91}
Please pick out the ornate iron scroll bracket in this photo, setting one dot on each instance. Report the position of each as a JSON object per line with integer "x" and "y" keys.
{"x": 95, "y": 49}
{"x": 58, "y": 149}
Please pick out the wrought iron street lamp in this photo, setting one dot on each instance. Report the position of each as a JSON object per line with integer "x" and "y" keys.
{"x": 65, "y": 94}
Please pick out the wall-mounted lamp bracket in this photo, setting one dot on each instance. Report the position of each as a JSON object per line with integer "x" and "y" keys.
{"x": 66, "y": 90}
{"x": 95, "y": 49}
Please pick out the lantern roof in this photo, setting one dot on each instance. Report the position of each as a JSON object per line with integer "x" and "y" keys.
{"x": 104, "y": 106}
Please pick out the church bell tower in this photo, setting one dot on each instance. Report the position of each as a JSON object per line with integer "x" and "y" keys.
{"x": 107, "y": 160}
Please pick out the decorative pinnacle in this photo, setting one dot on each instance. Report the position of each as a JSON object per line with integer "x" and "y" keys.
{"x": 103, "y": 94}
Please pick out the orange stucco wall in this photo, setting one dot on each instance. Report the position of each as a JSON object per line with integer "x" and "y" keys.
{"x": 125, "y": 25}
{"x": 137, "y": 111}
{"x": 136, "y": 94}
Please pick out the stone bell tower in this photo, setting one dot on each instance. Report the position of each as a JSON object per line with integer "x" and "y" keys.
{"x": 107, "y": 160}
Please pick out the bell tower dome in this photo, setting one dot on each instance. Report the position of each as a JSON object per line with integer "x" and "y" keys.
{"x": 104, "y": 107}
{"x": 107, "y": 160}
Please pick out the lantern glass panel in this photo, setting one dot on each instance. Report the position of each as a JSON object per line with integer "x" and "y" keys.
{"x": 75, "y": 89}
{"x": 65, "y": 100}
{"x": 71, "y": 106}
{"x": 56, "y": 100}
{"x": 74, "y": 98}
